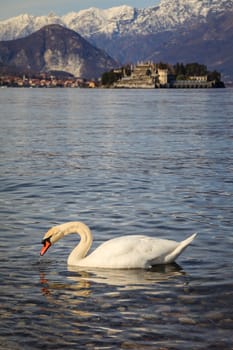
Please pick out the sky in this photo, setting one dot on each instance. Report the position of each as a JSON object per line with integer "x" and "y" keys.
{"x": 12, "y": 8}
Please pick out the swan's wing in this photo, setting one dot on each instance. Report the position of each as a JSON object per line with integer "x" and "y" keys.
{"x": 130, "y": 252}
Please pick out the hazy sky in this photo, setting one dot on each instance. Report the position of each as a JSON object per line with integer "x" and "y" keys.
{"x": 12, "y": 8}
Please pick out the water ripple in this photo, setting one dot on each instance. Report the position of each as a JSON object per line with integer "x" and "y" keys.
{"x": 125, "y": 162}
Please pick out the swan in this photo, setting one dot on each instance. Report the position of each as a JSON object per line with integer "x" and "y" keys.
{"x": 126, "y": 252}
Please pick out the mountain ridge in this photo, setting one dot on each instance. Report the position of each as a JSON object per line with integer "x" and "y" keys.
{"x": 117, "y": 20}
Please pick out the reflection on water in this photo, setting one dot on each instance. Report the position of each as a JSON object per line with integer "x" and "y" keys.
{"x": 157, "y": 163}
{"x": 117, "y": 308}
{"x": 126, "y": 279}
{"x": 81, "y": 284}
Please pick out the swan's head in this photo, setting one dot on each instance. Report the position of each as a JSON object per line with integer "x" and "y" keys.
{"x": 51, "y": 237}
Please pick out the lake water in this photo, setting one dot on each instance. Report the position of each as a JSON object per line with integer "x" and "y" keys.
{"x": 156, "y": 162}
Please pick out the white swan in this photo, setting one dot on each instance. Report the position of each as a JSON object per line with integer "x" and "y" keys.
{"x": 121, "y": 253}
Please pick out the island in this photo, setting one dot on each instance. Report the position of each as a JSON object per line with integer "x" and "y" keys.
{"x": 149, "y": 75}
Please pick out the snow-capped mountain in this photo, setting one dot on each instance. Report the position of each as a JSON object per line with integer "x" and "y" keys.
{"x": 24, "y": 25}
{"x": 125, "y": 20}
{"x": 120, "y": 21}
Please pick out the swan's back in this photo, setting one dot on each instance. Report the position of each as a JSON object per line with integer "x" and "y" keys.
{"x": 135, "y": 252}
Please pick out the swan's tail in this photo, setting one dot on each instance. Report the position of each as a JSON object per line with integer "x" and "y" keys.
{"x": 179, "y": 249}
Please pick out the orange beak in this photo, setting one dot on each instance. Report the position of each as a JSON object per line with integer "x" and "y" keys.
{"x": 46, "y": 244}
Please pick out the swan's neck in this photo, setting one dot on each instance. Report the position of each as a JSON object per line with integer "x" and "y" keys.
{"x": 84, "y": 245}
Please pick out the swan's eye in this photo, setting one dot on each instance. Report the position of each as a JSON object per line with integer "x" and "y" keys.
{"x": 46, "y": 240}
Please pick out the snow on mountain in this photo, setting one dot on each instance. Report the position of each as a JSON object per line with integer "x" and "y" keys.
{"x": 94, "y": 20}
{"x": 121, "y": 20}
{"x": 23, "y": 25}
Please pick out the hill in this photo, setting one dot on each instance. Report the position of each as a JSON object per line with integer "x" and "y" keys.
{"x": 54, "y": 48}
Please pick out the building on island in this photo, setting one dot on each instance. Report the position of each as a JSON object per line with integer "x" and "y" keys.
{"x": 163, "y": 76}
{"x": 142, "y": 75}
{"x": 150, "y": 75}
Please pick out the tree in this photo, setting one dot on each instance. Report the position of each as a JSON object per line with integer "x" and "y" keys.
{"x": 108, "y": 78}
{"x": 162, "y": 65}
{"x": 179, "y": 69}
{"x": 214, "y": 76}
{"x": 195, "y": 69}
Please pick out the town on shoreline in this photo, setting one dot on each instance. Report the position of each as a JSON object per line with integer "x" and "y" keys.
{"x": 45, "y": 81}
